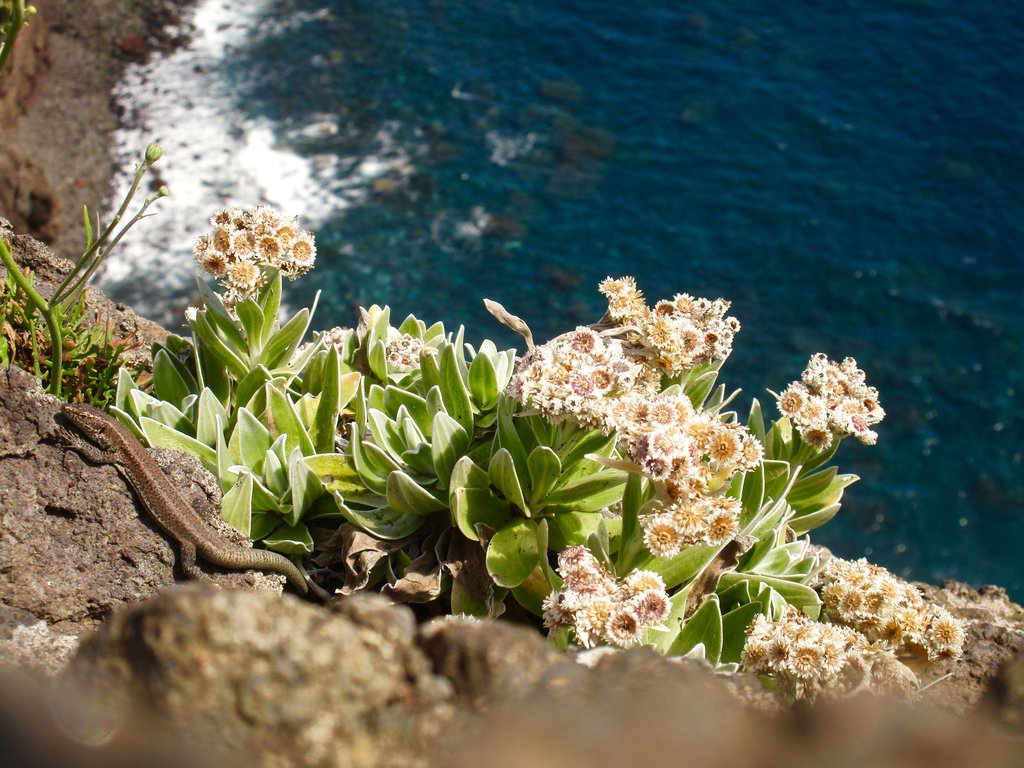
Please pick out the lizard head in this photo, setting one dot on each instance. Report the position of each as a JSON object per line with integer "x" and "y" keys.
{"x": 92, "y": 422}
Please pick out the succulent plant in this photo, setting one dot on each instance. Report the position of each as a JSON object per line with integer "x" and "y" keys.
{"x": 259, "y": 412}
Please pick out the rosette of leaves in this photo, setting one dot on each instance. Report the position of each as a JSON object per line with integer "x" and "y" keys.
{"x": 411, "y": 426}
{"x": 440, "y": 442}
{"x": 259, "y": 412}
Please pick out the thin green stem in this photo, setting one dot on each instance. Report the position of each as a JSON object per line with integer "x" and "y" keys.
{"x": 74, "y": 291}
{"x": 49, "y": 315}
{"x": 63, "y": 291}
{"x": 13, "y": 28}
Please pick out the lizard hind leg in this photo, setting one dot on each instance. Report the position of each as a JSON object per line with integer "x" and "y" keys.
{"x": 188, "y": 563}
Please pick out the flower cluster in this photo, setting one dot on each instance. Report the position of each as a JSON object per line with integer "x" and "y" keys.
{"x": 679, "y": 334}
{"x": 403, "y": 353}
{"x": 714, "y": 521}
{"x": 808, "y": 659}
{"x": 581, "y": 375}
{"x": 832, "y": 400}
{"x": 610, "y": 383}
{"x": 671, "y": 442}
{"x": 243, "y": 243}
{"x": 599, "y": 609}
{"x": 888, "y": 610}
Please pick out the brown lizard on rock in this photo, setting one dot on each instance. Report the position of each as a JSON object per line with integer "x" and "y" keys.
{"x": 113, "y": 444}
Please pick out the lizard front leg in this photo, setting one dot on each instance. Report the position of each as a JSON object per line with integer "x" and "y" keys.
{"x": 87, "y": 451}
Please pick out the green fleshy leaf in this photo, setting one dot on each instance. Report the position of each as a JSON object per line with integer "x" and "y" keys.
{"x": 755, "y": 421}
{"x": 269, "y": 299}
{"x": 752, "y": 496}
{"x": 208, "y": 413}
{"x": 454, "y": 391}
{"x": 215, "y": 346}
{"x": 419, "y": 460}
{"x": 385, "y": 433}
{"x": 512, "y": 553}
{"x": 376, "y": 356}
{"x": 574, "y": 453}
{"x": 395, "y": 397}
{"x": 478, "y": 506}
{"x": 251, "y": 441}
{"x": 225, "y": 476}
{"x": 591, "y": 493}
{"x": 449, "y": 443}
{"x": 808, "y": 522}
{"x": 544, "y": 469}
{"x": 168, "y": 382}
{"x": 382, "y": 522}
{"x": 306, "y": 407}
{"x": 412, "y": 327}
{"x": 305, "y": 487}
{"x": 125, "y": 385}
{"x": 211, "y": 300}
{"x": 684, "y": 566}
{"x": 290, "y": 540}
{"x": 704, "y": 626}
{"x": 161, "y": 436}
{"x": 405, "y": 495}
{"x": 502, "y": 471}
{"x": 799, "y": 595}
{"x": 468, "y": 474}
{"x": 249, "y": 386}
{"x": 283, "y": 420}
{"x": 337, "y": 474}
{"x": 286, "y": 340}
{"x": 264, "y": 499}
{"x": 251, "y": 316}
{"x": 573, "y": 528}
{"x": 507, "y": 437}
{"x": 348, "y": 386}
{"x": 236, "y": 506}
{"x": 324, "y": 428}
{"x": 371, "y": 476}
{"x": 483, "y": 382}
{"x": 275, "y": 472}
{"x": 263, "y": 525}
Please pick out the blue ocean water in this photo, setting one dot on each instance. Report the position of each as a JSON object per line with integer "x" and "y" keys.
{"x": 848, "y": 174}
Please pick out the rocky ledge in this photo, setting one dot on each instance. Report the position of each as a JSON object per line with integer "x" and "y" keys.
{"x": 102, "y": 650}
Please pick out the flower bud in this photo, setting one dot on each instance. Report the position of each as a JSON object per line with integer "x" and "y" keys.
{"x": 163, "y": 191}
{"x": 153, "y": 153}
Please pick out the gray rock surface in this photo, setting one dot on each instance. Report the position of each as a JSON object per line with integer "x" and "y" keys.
{"x": 298, "y": 684}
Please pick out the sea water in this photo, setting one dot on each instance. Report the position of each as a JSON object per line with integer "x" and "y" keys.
{"x": 848, "y": 174}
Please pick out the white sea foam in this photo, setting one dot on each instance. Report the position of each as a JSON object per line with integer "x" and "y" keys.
{"x": 216, "y": 155}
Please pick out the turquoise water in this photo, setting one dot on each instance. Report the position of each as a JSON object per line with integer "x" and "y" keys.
{"x": 848, "y": 174}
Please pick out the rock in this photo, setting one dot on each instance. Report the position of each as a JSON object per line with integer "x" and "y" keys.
{"x": 134, "y": 48}
{"x": 74, "y": 541}
{"x": 27, "y": 196}
{"x": 494, "y": 661}
{"x": 42, "y": 726}
{"x": 995, "y": 635}
{"x": 636, "y": 708}
{"x": 1005, "y": 695}
{"x": 298, "y": 685}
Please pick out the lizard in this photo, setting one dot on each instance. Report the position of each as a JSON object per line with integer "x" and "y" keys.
{"x": 112, "y": 443}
